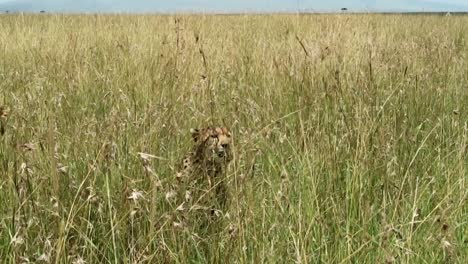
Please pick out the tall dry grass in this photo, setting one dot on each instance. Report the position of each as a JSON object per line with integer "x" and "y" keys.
{"x": 351, "y": 136}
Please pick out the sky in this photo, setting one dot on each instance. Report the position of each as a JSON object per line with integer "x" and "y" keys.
{"x": 230, "y": 5}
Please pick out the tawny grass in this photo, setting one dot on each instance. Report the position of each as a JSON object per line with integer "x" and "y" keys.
{"x": 350, "y": 137}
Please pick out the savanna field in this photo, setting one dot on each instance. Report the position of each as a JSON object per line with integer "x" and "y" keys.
{"x": 350, "y": 137}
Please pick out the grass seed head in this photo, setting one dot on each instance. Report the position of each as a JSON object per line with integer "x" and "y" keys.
{"x": 135, "y": 196}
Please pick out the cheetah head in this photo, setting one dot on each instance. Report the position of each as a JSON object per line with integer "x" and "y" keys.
{"x": 213, "y": 143}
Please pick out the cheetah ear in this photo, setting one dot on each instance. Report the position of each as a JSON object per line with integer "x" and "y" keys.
{"x": 195, "y": 134}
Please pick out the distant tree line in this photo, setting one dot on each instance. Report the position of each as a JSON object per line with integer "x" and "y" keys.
{"x": 8, "y": 11}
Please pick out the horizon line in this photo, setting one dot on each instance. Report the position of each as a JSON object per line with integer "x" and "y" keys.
{"x": 246, "y": 12}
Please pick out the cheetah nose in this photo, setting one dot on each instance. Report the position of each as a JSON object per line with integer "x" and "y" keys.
{"x": 224, "y": 145}
{"x": 221, "y": 152}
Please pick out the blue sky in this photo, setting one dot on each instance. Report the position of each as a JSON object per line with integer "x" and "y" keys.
{"x": 231, "y": 5}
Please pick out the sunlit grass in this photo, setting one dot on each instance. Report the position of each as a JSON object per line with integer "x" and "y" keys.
{"x": 350, "y": 137}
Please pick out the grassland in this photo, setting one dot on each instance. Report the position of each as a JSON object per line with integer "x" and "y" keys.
{"x": 351, "y": 135}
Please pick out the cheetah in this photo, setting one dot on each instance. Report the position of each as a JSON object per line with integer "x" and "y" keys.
{"x": 201, "y": 174}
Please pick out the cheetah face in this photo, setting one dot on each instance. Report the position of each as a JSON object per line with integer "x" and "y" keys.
{"x": 215, "y": 143}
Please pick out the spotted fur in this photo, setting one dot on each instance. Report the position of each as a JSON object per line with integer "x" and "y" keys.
{"x": 201, "y": 174}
